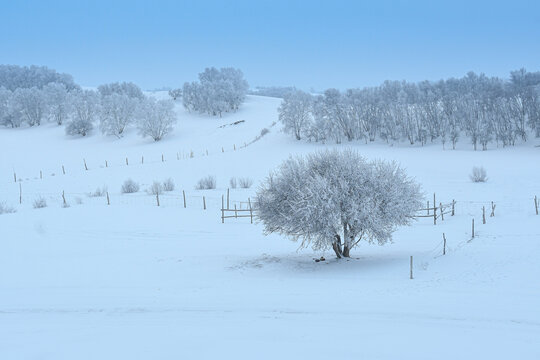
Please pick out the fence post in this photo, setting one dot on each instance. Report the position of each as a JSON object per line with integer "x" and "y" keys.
{"x": 204, "y": 203}
{"x": 442, "y": 211}
{"x": 250, "y": 210}
{"x": 428, "y": 207}
{"x": 453, "y": 203}
{"x": 222, "y": 210}
{"x": 108, "y": 199}
{"x": 184, "y": 195}
{"x": 63, "y": 170}
{"x": 142, "y": 159}
{"x": 483, "y": 215}
{"x": 235, "y": 212}
{"x": 106, "y": 164}
{"x": 162, "y": 158}
{"x": 85, "y": 167}
{"x": 157, "y": 199}
{"x": 536, "y": 204}
{"x": 15, "y": 178}
{"x": 63, "y": 197}
{"x": 40, "y": 175}
{"x": 127, "y": 162}
{"x": 434, "y": 210}
{"x": 444, "y": 244}
{"x": 228, "y": 198}
{"x": 473, "y": 228}
{"x": 492, "y": 209}
{"x": 222, "y": 150}
{"x": 411, "y": 268}
{"x": 20, "y": 193}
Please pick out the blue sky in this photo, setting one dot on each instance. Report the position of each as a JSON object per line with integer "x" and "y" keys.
{"x": 309, "y": 44}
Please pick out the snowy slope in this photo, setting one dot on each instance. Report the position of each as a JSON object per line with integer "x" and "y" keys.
{"x": 134, "y": 280}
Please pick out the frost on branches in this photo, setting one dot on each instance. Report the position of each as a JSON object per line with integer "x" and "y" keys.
{"x": 334, "y": 199}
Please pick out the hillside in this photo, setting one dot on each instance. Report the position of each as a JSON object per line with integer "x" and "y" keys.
{"x": 134, "y": 280}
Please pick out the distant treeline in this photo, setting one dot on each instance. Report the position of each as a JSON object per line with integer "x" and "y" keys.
{"x": 484, "y": 109}
{"x": 33, "y": 95}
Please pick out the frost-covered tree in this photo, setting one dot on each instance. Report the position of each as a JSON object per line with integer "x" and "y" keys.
{"x": 295, "y": 112}
{"x": 14, "y": 77}
{"x": 117, "y": 112}
{"x": 156, "y": 118}
{"x": 175, "y": 93}
{"x": 30, "y": 104}
{"x": 6, "y": 113}
{"x": 216, "y": 92}
{"x": 334, "y": 199}
{"x": 86, "y": 107}
{"x": 59, "y": 102}
{"x": 125, "y": 88}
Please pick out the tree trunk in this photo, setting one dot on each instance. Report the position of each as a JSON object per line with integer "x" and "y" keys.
{"x": 336, "y": 245}
{"x": 347, "y": 241}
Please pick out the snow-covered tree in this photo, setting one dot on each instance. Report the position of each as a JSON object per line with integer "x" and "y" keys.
{"x": 30, "y": 104}
{"x": 117, "y": 112}
{"x": 175, "y": 93}
{"x": 334, "y": 199}
{"x": 125, "y": 88}
{"x": 14, "y": 77}
{"x": 6, "y": 115}
{"x": 86, "y": 107}
{"x": 295, "y": 112}
{"x": 156, "y": 118}
{"x": 216, "y": 92}
{"x": 58, "y": 100}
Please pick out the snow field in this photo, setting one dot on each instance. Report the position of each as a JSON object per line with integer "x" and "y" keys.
{"x": 133, "y": 280}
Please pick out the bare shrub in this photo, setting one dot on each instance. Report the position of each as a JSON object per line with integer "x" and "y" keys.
{"x": 5, "y": 209}
{"x": 206, "y": 183}
{"x": 129, "y": 187}
{"x": 40, "y": 203}
{"x": 233, "y": 183}
{"x": 100, "y": 191}
{"x": 155, "y": 189}
{"x": 245, "y": 183}
{"x": 168, "y": 185}
{"x": 478, "y": 174}
{"x": 264, "y": 132}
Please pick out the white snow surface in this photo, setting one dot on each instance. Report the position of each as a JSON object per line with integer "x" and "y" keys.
{"x": 132, "y": 280}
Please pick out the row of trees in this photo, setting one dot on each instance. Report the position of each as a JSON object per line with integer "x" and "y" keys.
{"x": 216, "y": 92}
{"x": 115, "y": 107}
{"x": 13, "y": 77}
{"x": 484, "y": 109}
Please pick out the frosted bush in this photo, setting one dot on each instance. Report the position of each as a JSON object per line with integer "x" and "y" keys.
{"x": 129, "y": 186}
{"x": 245, "y": 183}
{"x": 168, "y": 185}
{"x": 100, "y": 191}
{"x": 206, "y": 183}
{"x": 40, "y": 203}
{"x": 233, "y": 183}
{"x": 155, "y": 189}
{"x": 5, "y": 209}
{"x": 478, "y": 174}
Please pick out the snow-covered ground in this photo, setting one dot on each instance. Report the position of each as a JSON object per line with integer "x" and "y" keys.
{"x": 135, "y": 281}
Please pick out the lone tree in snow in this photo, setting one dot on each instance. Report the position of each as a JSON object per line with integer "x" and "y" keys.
{"x": 334, "y": 199}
